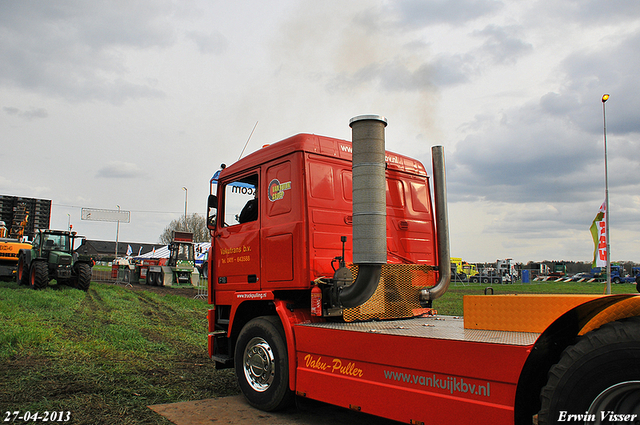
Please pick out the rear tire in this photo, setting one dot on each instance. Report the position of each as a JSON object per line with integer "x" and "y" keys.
{"x": 262, "y": 365}
{"x": 600, "y": 373}
{"x": 39, "y": 276}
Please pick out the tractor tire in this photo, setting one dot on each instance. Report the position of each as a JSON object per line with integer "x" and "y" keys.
{"x": 83, "y": 279}
{"x": 39, "y": 276}
{"x": 262, "y": 364}
{"x": 22, "y": 276}
{"x": 599, "y": 374}
{"x": 205, "y": 269}
{"x": 159, "y": 279}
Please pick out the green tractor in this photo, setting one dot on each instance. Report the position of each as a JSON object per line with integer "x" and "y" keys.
{"x": 52, "y": 257}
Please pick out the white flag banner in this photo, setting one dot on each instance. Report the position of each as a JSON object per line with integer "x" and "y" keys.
{"x": 599, "y": 235}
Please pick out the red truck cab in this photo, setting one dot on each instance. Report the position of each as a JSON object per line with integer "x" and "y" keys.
{"x": 325, "y": 259}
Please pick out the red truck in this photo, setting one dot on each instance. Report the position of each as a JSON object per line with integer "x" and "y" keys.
{"x": 327, "y": 260}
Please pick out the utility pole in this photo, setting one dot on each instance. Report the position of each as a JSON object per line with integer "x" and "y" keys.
{"x": 186, "y": 192}
{"x": 606, "y": 196}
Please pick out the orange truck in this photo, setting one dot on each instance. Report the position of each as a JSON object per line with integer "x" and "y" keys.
{"x": 328, "y": 259}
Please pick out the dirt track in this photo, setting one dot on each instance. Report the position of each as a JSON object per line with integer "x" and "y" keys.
{"x": 235, "y": 410}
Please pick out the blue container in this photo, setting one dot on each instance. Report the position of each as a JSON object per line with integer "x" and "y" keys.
{"x": 525, "y": 276}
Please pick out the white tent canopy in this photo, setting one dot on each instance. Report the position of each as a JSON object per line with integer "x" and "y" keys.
{"x": 163, "y": 252}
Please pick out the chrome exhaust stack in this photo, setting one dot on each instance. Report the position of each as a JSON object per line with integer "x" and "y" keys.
{"x": 442, "y": 227}
{"x": 369, "y": 207}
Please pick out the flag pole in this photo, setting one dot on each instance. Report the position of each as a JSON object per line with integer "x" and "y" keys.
{"x": 606, "y": 195}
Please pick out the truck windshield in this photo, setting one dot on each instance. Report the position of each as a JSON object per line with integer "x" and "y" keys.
{"x": 56, "y": 242}
{"x": 185, "y": 253}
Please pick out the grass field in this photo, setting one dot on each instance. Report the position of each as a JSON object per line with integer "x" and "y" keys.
{"x": 106, "y": 354}
{"x": 103, "y": 355}
{"x": 451, "y": 301}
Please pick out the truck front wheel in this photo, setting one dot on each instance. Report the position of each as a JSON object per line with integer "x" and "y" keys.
{"x": 261, "y": 364}
{"x": 597, "y": 375}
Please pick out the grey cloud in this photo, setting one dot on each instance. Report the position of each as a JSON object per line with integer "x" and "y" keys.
{"x": 419, "y": 13}
{"x": 590, "y": 12}
{"x": 30, "y": 114}
{"x": 213, "y": 43}
{"x": 70, "y": 48}
{"x": 527, "y": 156}
{"x": 119, "y": 169}
{"x": 502, "y": 43}
{"x": 612, "y": 69}
{"x": 551, "y": 151}
{"x": 454, "y": 69}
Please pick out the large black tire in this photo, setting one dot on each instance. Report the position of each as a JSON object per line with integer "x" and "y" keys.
{"x": 39, "y": 276}
{"x": 262, "y": 365}
{"x": 83, "y": 278}
{"x": 22, "y": 276}
{"x": 205, "y": 269}
{"x": 600, "y": 373}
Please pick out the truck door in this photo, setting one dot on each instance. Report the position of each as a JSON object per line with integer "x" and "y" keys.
{"x": 237, "y": 238}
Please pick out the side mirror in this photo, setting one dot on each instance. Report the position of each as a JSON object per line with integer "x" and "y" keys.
{"x": 213, "y": 201}
{"x": 211, "y": 212}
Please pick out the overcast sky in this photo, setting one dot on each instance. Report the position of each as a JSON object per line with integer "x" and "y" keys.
{"x": 127, "y": 102}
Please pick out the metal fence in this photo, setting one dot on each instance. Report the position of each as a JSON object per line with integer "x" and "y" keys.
{"x": 125, "y": 276}
{"x": 102, "y": 276}
{"x": 202, "y": 288}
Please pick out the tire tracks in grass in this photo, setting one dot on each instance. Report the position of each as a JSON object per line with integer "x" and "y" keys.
{"x": 93, "y": 305}
{"x": 162, "y": 318}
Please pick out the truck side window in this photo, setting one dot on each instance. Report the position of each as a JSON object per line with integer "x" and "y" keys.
{"x": 241, "y": 201}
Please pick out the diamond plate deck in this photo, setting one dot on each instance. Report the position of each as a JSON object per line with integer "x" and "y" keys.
{"x": 439, "y": 327}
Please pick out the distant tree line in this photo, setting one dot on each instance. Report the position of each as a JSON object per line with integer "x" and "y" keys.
{"x": 194, "y": 223}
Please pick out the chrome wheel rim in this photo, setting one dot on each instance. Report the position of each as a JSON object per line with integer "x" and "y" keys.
{"x": 621, "y": 398}
{"x": 259, "y": 364}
